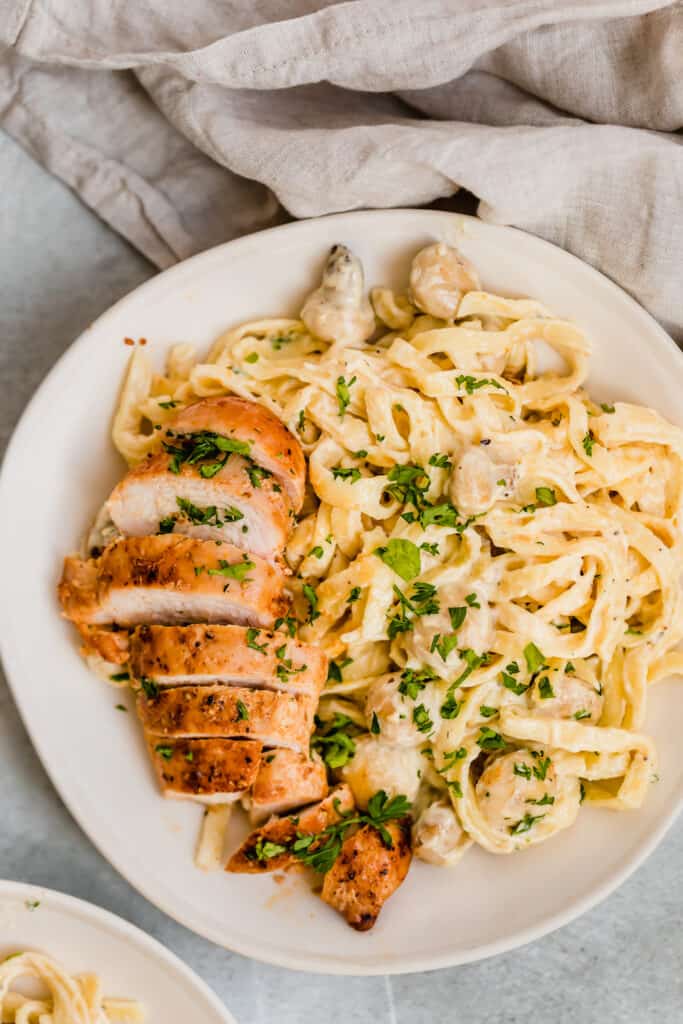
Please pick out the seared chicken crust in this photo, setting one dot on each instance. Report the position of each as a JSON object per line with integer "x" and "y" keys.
{"x": 206, "y": 770}
{"x": 169, "y": 579}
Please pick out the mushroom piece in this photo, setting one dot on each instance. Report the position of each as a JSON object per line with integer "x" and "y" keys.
{"x": 339, "y": 310}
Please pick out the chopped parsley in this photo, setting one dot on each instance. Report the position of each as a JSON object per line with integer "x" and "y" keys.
{"x": 472, "y": 601}
{"x": 545, "y": 496}
{"x": 487, "y": 712}
{"x": 354, "y": 594}
{"x": 582, "y": 713}
{"x": 242, "y": 711}
{"x": 167, "y": 524}
{"x": 321, "y": 850}
{"x": 360, "y": 454}
{"x": 472, "y": 384}
{"x": 545, "y": 690}
{"x": 335, "y": 669}
{"x": 209, "y": 515}
{"x": 350, "y": 475}
{"x": 312, "y": 598}
{"x": 489, "y": 739}
{"x": 521, "y": 769}
{"x": 205, "y": 449}
{"x": 413, "y": 681}
{"x": 535, "y": 660}
{"x": 163, "y": 751}
{"x": 431, "y": 549}
{"x": 316, "y": 552}
{"x": 149, "y": 687}
{"x": 232, "y": 571}
{"x": 569, "y": 668}
{"x": 457, "y": 616}
{"x": 334, "y": 741}
{"x": 421, "y": 719}
{"x": 443, "y": 645}
{"x": 168, "y": 405}
{"x": 374, "y": 724}
{"x": 440, "y": 461}
{"x": 527, "y": 822}
{"x": 120, "y": 677}
{"x": 343, "y": 390}
{"x": 288, "y": 622}
{"x": 588, "y": 441}
{"x": 252, "y": 634}
{"x": 606, "y": 407}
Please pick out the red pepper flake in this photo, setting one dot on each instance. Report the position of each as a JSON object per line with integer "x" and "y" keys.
{"x": 128, "y": 341}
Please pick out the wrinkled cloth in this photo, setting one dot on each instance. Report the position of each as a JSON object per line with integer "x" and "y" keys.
{"x": 184, "y": 123}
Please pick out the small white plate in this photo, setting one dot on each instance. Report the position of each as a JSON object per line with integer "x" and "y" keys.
{"x": 61, "y": 465}
{"x": 84, "y": 938}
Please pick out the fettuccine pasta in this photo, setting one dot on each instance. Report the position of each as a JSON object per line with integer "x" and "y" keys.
{"x": 67, "y": 999}
{"x": 491, "y": 559}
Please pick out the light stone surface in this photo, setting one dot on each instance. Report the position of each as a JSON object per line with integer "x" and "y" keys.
{"x": 622, "y": 963}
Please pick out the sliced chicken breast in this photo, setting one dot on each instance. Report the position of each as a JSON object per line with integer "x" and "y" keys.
{"x": 367, "y": 872}
{"x": 231, "y": 712}
{"x": 270, "y": 444}
{"x": 210, "y": 771}
{"x": 112, "y": 644}
{"x": 169, "y": 579}
{"x": 201, "y": 654}
{"x": 268, "y": 847}
{"x": 227, "y": 506}
{"x": 286, "y": 780}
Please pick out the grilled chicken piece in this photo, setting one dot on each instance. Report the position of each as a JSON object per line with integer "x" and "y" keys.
{"x": 232, "y": 712}
{"x": 169, "y": 579}
{"x": 367, "y": 872}
{"x": 271, "y": 445}
{"x": 211, "y": 771}
{"x": 254, "y": 856}
{"x": 286, "y": 780}
{"x": 110, "y": 644}
{"x": 226, "y": 654}
{"x": 227, "y": 507}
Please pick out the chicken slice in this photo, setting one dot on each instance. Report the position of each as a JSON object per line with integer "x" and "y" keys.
{"x": 286, "y": 780}
{"x": 227, "y": 654}
{"x": 228, "y": 506}
{"x": 259, "y": 852}
{"x": 210, "y": 771}
{"x": 169, "y": 579}
{"x": 110, "y": 644}
{"x": 231, "y": 712}
{"x": 367, "y": 872}
{"x": 271, "y": 445}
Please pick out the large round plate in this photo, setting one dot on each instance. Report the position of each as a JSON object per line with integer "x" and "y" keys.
{"x": 84, "y": 938}
{"x": 60, "y": 466}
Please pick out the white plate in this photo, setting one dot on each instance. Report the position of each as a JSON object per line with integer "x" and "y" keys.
{"x": 85, "y": 938}
{"x": 61, "y": 465}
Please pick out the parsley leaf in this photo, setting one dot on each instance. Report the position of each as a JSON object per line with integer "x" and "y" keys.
{"x": 402, "y": 556}
{"x": 312, "y": 598}
{"x": 545, "y": 496}
{"x": 535, "y": 660}
{"x": 234, "y": 570}
{"x": 525, "y": 824}
{"x": 588, "y": 442}
{"x": 343, "y": 390}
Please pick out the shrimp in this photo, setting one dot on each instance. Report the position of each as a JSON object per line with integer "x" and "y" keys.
{"x": 437, "y": 835}
{"x": 376, "y": 765}
{"x": 439, "y": 277}
{"x": 515, "y": 786}
{"x": 562, "y": 695}
{"x": 339, "y": 310}
{"x": 479, "y": 480}
{"x": 402, "y": 722}
{"x": 428, "y": 643}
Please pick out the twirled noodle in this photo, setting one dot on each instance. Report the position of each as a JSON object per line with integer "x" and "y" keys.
{"x": 508, "y": 677}
{"x": 67, "y": 1000}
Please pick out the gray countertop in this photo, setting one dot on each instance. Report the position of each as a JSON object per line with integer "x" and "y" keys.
{"x": 622, "y": 962}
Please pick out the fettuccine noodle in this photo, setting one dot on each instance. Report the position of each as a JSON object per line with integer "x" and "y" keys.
{"x": 502, "y": 678}
{"x": 67, "y": 1000}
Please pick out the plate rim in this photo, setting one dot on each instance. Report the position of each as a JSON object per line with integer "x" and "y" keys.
{"x": 112, "y": 923}
{"x": 316, "y": 963}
